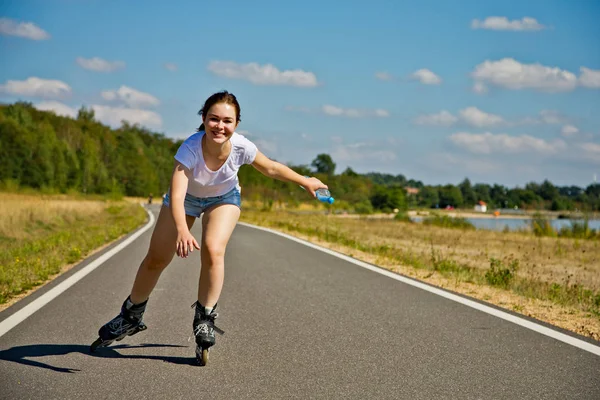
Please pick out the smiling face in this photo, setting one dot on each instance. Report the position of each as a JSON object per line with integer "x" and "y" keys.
{"x": 220, "y": 122}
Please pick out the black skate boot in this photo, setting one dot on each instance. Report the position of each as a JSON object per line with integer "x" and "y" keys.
{"x": 127, "y": 323}
{"x": 204, "y": 330}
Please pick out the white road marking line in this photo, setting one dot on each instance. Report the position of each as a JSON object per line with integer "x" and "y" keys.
{"x": 581, "y": 344}
{"x": 18, "y": 317}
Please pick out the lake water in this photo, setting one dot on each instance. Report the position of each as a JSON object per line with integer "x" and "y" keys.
{"x": 498, "y": 224}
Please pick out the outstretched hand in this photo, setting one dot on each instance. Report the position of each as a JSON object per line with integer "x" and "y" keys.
{"x": 312, "y": 184}
{"x": 186, "y": 244}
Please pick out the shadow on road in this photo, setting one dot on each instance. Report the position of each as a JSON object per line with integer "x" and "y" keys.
{"x": 21, "y": 354}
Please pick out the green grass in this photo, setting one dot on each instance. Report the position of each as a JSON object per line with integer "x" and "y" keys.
{"x": 25, "y": 264}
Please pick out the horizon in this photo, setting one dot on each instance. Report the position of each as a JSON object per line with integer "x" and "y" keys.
{"x": 502, "y": 94}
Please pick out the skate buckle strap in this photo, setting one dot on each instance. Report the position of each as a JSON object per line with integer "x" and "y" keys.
{"x": 209, "y": 320}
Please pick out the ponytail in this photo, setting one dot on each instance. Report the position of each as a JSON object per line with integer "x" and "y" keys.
{"x": 201, "y": 128}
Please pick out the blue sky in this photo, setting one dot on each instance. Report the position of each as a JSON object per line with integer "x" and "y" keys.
{"x": 500, "y": 92}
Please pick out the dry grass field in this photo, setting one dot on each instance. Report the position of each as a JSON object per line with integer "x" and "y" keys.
{"x": 553, "y": 279}
{"x": 43, "y": 235}
{"x": 556, "y": 280}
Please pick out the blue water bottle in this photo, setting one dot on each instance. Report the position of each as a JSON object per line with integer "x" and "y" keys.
{"x": 323, "y": 195}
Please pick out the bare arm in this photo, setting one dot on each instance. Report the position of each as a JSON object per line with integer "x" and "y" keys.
{"x": 179, "y": 182}
{"x": 276, "y": 170}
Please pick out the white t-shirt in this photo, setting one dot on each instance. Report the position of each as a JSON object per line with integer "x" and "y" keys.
{"x": 209, "y": 183}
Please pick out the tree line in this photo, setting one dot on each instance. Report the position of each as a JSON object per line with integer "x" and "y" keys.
{"x": 54, "y": 153}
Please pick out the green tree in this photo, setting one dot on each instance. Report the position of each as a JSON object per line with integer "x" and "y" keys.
{"x": 414, "y": 183}
{"x": 468, "y": 194}
{"x": 85, "y": 114}
{"x": 548, "y": 191}
{"x": 350, "y": 172}
{"x": 499, "y": 195}
{"x": 523, "y": 198}
{"x": 482, "y": 192}
{"x": 324, "y": 164}
{"x": 450, "y": 195}
{"x": 387, "y": 199}
{"x": 428, "y": 197}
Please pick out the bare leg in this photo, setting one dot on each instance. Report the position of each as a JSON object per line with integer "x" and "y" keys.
{"x": 218, "y": 224}
{"x": 160, "y": 253}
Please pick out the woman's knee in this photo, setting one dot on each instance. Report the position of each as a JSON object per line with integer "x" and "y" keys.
{"x": 157, "y": 261}
{"x": 214, "y": 251}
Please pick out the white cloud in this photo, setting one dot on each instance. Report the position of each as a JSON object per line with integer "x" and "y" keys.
{"x": 99, "y": 65}
{"x": 353, "y": 112}
{"x": 36, "y": 87}
{"x": 480, "y": 88}
{"x": 444, "y": 162}
{"x": 590, "y": 152}
{"x": 443, "y": 118}
{"x": 266, "y": 74}
{"x": 58, "y": 108}
{"x": 383, "y": 76}
{"x": 171, "y": 67}
{"x": 358, "y": 152}
{"x": 426, "y": 77}
{"x": 503, "y": 24}
{"x": 335, "y": 111}
{"x": 27, "y": 30}
{"x": 488, "y": 143}
{"x": 589, "y": 78}
{"x": 569, "y": 130}
{"x": 131, "y": 97}
{"x": 471, "y": 116}
{"x": 511, "y": 74}
{"x": 114, "y": 115}
{"x": 551, "y": 117}
{"x": 480, "y": 119}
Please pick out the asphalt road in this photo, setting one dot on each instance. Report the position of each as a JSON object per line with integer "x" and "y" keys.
{"x": 299, "y": 323}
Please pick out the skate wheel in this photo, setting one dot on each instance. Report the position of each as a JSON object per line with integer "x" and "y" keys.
{"x": 203, "y": 360}
{"x": 96, "y": 344}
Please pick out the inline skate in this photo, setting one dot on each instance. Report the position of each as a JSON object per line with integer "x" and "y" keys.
{"x": 204, "y": 331}
{"x": 127, "y": 323}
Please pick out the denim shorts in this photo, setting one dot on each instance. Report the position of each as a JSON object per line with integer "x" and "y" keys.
{"x": 195, "y": 206}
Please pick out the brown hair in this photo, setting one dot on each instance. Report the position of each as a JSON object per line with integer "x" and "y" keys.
{"x": 220, "y": 97}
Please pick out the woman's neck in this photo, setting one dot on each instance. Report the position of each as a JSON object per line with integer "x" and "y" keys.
{"x": 215, "y": 149}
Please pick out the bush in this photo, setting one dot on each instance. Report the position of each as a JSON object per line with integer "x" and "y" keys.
{"x": 9, "y": 185}
{"x": 499, "y": 274}
{"x": 540, "y": 225}
{"x": 578, "y": 230}
{"x": 402, "y": 216}
{"x": 445, "y": 221}
{"x": 364, "y": 207}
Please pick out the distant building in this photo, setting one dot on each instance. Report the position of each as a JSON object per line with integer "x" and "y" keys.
{"x": 412, "y": 190}
{"x": 481, "y": 207}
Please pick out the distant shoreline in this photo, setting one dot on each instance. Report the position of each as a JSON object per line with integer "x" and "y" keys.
{"x": 489, "y": 215}
{"x": 468, "y": 214}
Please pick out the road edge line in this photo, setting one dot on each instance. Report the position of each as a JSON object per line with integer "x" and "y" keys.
{"x": 21, "y": 315}
{"x": 581, "y": 344}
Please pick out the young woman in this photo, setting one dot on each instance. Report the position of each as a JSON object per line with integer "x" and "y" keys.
{"x": 204, "y": 183}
